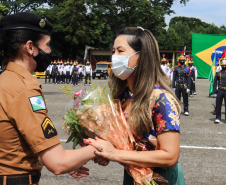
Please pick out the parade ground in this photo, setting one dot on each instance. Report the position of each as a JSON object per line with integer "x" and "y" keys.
{"x": 202, "y": 143}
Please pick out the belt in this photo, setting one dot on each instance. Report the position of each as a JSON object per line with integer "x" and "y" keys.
{"x": 180, "y": 84}
{"x": 222, "y": 88}
{"x": 12, "y": 180}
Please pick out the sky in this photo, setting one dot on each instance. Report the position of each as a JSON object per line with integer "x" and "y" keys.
{"x": 209, "y": 11}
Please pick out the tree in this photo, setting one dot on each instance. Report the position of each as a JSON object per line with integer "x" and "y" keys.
{"x": 184, "y": 33}
{"x": 173, "y": 41}
{"x": 15, "y": 6}
{"x": 94, "y": 22}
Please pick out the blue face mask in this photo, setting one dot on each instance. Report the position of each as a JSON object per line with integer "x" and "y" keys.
{"x": 119, "y": 66}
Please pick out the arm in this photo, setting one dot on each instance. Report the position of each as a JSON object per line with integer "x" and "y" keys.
{"x": 174, "y": 77}
{"x": 91, "y": 71}
{"x": 188, "y": 76}
{"x": 215, "y": 83}
{"x": 166, "y": 155}
{"x": 167, "y": 122}
{"x": 59, "y": 161}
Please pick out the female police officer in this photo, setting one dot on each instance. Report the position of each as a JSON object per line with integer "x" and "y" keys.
{"x": 26, "y": 131}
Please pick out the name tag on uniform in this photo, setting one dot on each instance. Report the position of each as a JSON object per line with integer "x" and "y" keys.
{"x": 37, "y": 103}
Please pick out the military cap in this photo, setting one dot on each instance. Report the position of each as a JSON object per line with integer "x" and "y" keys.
{"x": 223, "y": 58}
{"x": 223, "y": 62}
{"x": 181, "y": 57}
{"x": 25, "y": 20}
{"x": 163, "y": 59}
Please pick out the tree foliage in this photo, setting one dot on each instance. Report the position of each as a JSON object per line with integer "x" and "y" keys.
{"x": 95, "y": 22}
{"x": 184, "y": 27}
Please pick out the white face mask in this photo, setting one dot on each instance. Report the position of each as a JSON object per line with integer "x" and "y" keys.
{"x": 119, "y": 66}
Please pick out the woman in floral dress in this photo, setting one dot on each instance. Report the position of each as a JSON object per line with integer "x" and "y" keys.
{"x": 149, "y": 105}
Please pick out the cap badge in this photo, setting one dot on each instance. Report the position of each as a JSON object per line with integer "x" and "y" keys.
{"x": 42, "y": 23}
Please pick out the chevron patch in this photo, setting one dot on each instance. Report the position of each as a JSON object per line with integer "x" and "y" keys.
{"x": 48, "y": 128}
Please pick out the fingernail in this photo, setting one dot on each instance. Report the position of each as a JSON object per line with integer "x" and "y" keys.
{"x": 84, "y": 139}
{"x": 95, "y": 151}
{"x": 89, "y": 141}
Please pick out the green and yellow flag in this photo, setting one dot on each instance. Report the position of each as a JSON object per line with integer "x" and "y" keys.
{"x": 212, "y": 75}
{"x": 204, "y": 47}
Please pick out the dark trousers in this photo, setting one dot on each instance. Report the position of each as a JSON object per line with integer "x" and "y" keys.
{"x": 47, "y": 76}
{"x": 63, "y": 78}
{"x": 75, "y": 78}
{"x": 58, "y": 78}
{"x": 80, "y": 77}
{"x": 88, "y": 78}
{"x": 221, "y": 94}
{"x": 54, "y": 77}
{"x": 67, "y": 77}
{"x": 194, "y": 90}
{"x": 181, "y": 90}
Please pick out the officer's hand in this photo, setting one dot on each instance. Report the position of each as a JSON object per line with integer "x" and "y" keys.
{"x": 215, "y": 95}
{"x": 174, "y": 89}
{"x": 101, "y": 160}
{"x": 188, "y": 90}
{"x": 79, "y": 173}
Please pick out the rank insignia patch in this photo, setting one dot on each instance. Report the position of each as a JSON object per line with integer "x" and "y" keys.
{"x": 37, "y": 103}
{"x": 48, "y": 128}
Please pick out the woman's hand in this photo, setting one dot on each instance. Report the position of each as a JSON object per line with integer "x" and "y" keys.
{"x": 104, "y": 148}
{"x": 79, "y": 173}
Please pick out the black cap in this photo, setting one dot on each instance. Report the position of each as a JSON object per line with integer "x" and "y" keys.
{"x": 25, "y": 20}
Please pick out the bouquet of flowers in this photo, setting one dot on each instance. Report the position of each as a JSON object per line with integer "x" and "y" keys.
{"x": 95, "y": 113}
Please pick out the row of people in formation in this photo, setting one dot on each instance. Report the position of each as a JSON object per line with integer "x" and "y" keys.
{"x": 58, "y": 72}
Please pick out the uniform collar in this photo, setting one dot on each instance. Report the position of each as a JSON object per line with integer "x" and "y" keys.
{"x": 20, "y": 70}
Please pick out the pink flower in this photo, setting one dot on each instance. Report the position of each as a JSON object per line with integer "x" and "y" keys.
{"x": 78, "y": 93}
{"x": 77, "y": 103}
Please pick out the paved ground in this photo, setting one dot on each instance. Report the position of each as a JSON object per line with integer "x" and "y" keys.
{"x": 203, "y": 144}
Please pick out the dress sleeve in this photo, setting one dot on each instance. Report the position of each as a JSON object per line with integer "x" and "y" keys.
{"x": 165, "y": 114}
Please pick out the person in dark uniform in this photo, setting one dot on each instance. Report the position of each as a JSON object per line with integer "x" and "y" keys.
{"x": 220, "y": 92}
{"x": 28, "y": 138}
{"x": 55, "y": 72}
{"x": 75, "y": 75}
{"x": 47, "y": 74}
{"x": 181, "y": 83}
{"x": 216, "y": 88}
{"x": 192, "y": 76}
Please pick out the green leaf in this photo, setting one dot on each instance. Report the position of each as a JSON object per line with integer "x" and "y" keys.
{"x": 69, "y": 138}
{"x": 75, "y": 143}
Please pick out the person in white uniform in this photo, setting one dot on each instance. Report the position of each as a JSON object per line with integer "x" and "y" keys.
{"x": 88, "y": 73}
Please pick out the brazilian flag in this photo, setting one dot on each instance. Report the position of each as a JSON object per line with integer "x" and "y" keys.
{"x": 204, "y": 47}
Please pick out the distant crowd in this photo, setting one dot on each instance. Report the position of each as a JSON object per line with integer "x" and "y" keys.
{"x": 59, "y": 72}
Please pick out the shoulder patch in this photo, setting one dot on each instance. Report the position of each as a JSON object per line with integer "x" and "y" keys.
{"x": 48, "y": 128}
{"x": 37, "y": 103}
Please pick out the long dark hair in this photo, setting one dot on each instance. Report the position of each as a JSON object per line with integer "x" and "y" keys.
{"x": 12, "y": 41}
{"x": 147, "y": 73}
